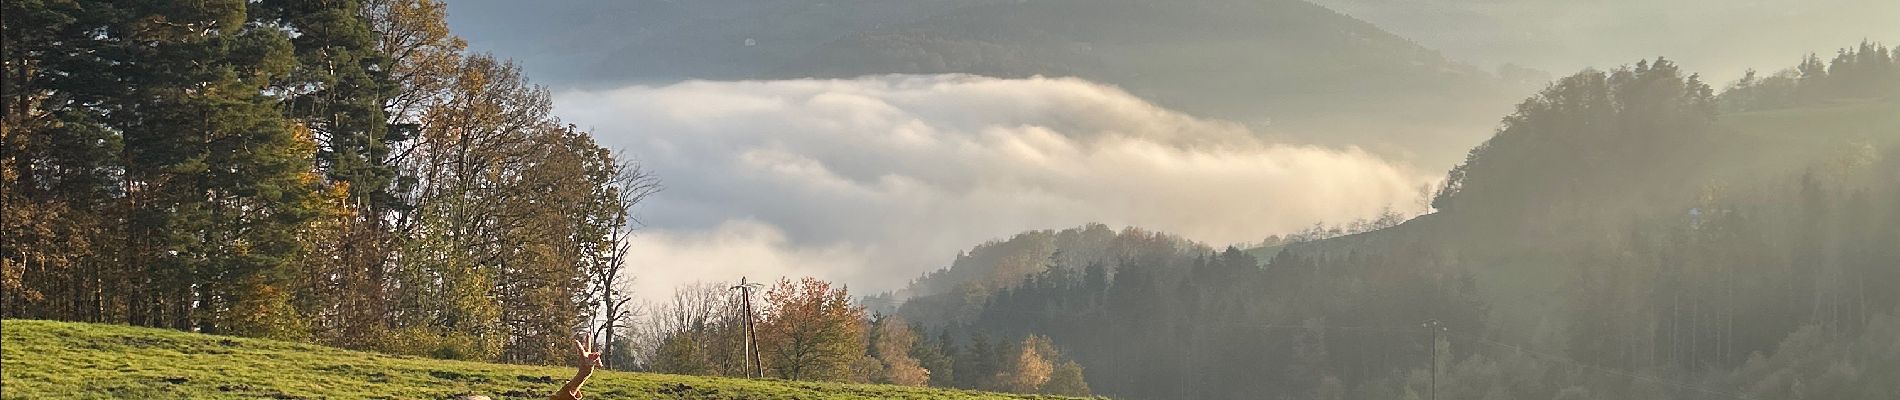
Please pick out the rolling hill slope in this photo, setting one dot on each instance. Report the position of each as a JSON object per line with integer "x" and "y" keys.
{"x": 1762, "y": 150}
{"x": 1312, "y": 74}
{"x": 1230, "y": 59}
{"x": 44, "y": 360}
{"x": 1618, "y": 221}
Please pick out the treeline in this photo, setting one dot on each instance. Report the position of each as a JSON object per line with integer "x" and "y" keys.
{"x": 1151, "y": 315}
{"x": 1619, "y": 238}
{"x": 809, "y": 330}
{"x": 342, "y": 172}
{"x": 1189, "y": 323}
{"x": 1870, "y": 70}
{"x": 1591, "y": 145}
{"x": 1002, "y": 263}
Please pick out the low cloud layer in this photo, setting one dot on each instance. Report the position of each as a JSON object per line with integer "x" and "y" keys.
{"x": 873, "y": 181}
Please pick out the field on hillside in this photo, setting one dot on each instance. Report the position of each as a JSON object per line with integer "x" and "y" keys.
{"x": 47, "y": 360}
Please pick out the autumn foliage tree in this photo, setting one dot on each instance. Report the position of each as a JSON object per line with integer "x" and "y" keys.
{"x": 892, "y": 342}
{"x": 1029, "y": 367}
{"x": 810, "y": 331}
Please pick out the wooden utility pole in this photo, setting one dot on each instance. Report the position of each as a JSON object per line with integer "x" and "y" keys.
{"x": 751, "y": 352}
{"x": 1433, "y": 326}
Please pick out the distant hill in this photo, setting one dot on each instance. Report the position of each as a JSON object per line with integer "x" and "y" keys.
{"x": 45, "y": 360}
{"x": 957, "y": 292}
{"x": 1720, "y": 39}
{"x": 1226, "y": 58}
{"x": 1314, "y": 74}
{"x": 1619, "y": 237}
{"x": 612, "y": 42}
{"x": 1764, "y": 158}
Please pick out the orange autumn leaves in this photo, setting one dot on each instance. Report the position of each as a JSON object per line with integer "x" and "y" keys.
{"x": 810, "y": 331}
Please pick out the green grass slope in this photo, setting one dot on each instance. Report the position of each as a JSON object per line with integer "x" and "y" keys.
{"x": 61, "y": 360}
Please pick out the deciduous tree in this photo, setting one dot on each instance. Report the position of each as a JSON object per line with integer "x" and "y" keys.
{"x": 810, "y": 331}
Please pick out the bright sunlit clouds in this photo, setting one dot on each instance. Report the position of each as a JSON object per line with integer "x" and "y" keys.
{"x": 875, "y": 180}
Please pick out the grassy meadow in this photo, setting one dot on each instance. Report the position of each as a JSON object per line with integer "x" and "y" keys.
{"x": 63, "y": 360}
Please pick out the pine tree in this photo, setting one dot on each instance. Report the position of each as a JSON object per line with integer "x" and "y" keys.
{"x": 1813, "y": 78}
{"x": 1067, "y": 380}
{"x": 339, "y": 90}
{"x": 216, "y": 175}
{"x": 57, "y": 161}
{"x": 935, "y": 356}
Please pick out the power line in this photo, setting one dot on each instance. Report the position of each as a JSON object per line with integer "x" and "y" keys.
{"x": 751, "y": 351}
{"x": 1436, "y": 329}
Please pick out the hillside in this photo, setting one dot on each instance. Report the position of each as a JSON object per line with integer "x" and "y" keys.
{"x": 45, "y": 359}
{"x": 1313, "y": 74}
{"x": 1762, "y": 151}
{"x": 662, "y": 41}
{"x": 623, "y": 41}
{"x": 1618, "y": 222}
{"x": 1721, "y": 38}
{"x": 1231, "y": 59}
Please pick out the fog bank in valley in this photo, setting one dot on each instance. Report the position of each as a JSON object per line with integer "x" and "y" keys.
{"x": 872, "y": 181}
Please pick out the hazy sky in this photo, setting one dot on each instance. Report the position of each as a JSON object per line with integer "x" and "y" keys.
{"x": 1719, "y": 38}
{"x": 874, "y": 180}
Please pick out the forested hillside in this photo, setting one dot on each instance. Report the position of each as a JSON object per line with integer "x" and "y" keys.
{"x": 1620, "y": 237}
